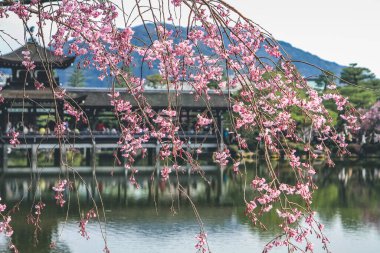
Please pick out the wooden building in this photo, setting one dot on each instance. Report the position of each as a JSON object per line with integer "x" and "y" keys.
{"x": 26, "y": 107}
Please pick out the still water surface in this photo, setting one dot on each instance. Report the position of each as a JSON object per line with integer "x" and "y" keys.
{"x": 142, "y": 220}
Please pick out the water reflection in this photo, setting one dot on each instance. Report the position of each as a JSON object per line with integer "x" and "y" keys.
{"x": 158, "y": 216}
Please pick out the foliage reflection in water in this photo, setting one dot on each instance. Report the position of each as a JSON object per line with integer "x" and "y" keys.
{"x": 157, "y": 218}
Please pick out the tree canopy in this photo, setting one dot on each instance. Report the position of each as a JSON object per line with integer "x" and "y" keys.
{"x": 77, "y": 78}
{"x": 354, "y": 74}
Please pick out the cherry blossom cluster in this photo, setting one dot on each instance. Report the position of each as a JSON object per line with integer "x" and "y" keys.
{"x": 165, "y": 171}
{"x": 76, "y": 113}
{"x": 201, "y": 245}
{"x": 221, "y": 157}
{"x": 371, "y": 118}
{"x": 35, "y": 218}
{"x": 84, "y": 221}
{"x": 14, "y": 141}
{"x": 2, "y": 207}
{"x": 5, "y": 227}
{"x": 295, "y": 235}
{"x": 38, "y": 85}
{"x": 202, "y": 121}
{"x": 59, "y": 189}
{"x": 295, "y": 232}
{"x": 59, "y": 93}
{"x": 133, "y": 132}
{"x": 59, "y": 129}
{"x": 28, "y": 63}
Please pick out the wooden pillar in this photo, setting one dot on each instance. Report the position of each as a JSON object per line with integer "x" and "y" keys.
{"x": 57, "y": 157}
{"x": 219, "y": 185}
{"x": 2, "y": 159}
{"x": 188, "y": 120}
{"x": 92, "y": 123}
{"x": 34, "y": 158}
{"x": 150, "y": 187}
{"x": 125, "y": 187}
{"x": 60, "y": 112}
{"x": 5, "y": 158}
{"x": 118, "y": 191}
{"x": 88, "y": 156}
{"x": 34, "y": 116}
{"x": 158, "y": 158}
{"x": 150, "y": 157}
{"x": 220, "y": 129}
{"x": 63, "y": 158}
{"x": 4, "y": 118}
{"x": 93, "y": 156}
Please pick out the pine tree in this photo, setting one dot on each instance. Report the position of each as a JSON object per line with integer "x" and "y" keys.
{"x": 354, "y": 74}
{"x": 77, "y": 78}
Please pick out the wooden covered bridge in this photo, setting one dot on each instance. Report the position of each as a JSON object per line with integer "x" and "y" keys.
{"x": 32, "y": 113}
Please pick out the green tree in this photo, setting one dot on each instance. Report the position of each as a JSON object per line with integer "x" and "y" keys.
{"x": 354, "y": 74}
{"x": 324, "y": 79}
{"x": 77, "y": 78}
{"x": 359, "y": 96}
{"x": 119, "y": 81}
{"x": 371, "y": 84}
{"x": 155, "y": 80}
{"x": 363, "y": 93}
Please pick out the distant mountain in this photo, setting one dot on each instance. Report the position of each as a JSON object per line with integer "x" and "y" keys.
{"x": 306, "y": 70}
{"x": 92, "y": 80}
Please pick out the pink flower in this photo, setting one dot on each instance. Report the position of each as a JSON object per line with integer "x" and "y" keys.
{"x": 273, "y": 51}
{"x": 2, "y": 207}
{"x": 14, "y": 141}
{"x": 27, "y": 62}
{"x": 83, "y": 223}
{"x": 201, "y": 245}
{"x": 60, "y": 94}
{"x": 59, "y": 129}
{"x": 202, "y": 121}
{"x": 170, "y": 113}
{"x": 235, "y": 167}
{"x": 165, "y": 173}
{"x": 59, "y": 189}
{"x": 251, "y": 206}
{"x": 5, "y": 226}
{"x": 221, "y": 157}
{"x": 39, "y": 85}
{"x": 73, "y": 112}
{"x": 309, "y": 247}
{"x": 176, "y": 2}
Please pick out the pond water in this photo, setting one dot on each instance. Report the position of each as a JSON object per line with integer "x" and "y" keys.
{"x": 155, "y": 218}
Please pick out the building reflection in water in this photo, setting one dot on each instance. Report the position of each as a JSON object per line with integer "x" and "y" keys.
{"x": 350, "y": 191}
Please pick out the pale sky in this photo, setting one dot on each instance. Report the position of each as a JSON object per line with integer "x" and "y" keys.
{"x": 344, "y": 31}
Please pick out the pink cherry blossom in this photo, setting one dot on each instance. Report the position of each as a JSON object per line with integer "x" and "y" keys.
{"x": 59, "y": 189}
{"x": 165, "y": 171}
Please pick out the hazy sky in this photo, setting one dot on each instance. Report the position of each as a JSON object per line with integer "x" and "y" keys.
{"x": 343, "y": 31}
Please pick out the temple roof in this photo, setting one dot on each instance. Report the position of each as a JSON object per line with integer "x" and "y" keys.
{"x": 99, "y": 98}
{"x": 39, "y": 56}
{"x": 10, "y": 2}
{"x": 18, "y": 97}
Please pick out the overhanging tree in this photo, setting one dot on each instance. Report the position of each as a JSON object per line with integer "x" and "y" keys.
{"x": 218, "y": 39}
